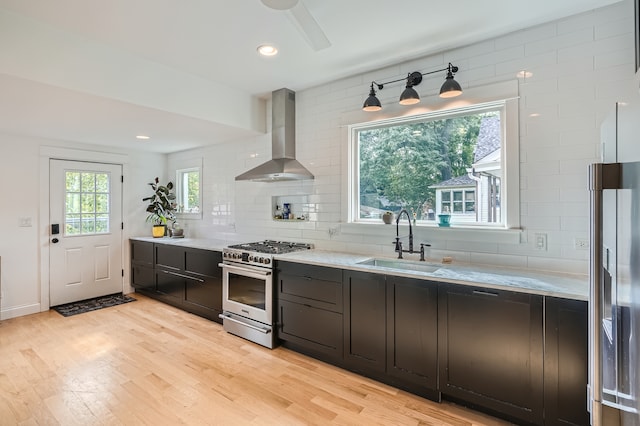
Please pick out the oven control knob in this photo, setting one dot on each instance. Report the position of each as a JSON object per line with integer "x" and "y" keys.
{"x": 267, "y": 261}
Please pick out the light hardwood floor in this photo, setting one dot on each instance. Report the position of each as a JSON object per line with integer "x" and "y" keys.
{"x": 146, "y": 363}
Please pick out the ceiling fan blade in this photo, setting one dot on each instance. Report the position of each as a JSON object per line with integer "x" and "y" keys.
{"x": 279, "y": 4}
{"x": 308, "y": 27}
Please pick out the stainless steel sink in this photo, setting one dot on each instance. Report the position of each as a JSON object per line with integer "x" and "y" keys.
{"x": 405, "y": 265}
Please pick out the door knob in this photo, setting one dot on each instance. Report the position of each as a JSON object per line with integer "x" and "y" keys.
{"x": 55, "y": 240}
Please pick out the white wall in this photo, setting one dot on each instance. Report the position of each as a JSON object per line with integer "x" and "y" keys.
{"x": 581, "y": 65}
{"x": 22, "y": 195}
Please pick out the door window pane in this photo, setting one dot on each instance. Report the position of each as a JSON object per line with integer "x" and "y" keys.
{"x": 86, "y": 203}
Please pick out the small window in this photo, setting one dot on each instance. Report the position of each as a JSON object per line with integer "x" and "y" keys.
{"x": 188, "y": 193}
{"x": 87, "y": 203}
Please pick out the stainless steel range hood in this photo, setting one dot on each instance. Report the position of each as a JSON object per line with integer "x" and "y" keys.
{"x": 283, "y": 165}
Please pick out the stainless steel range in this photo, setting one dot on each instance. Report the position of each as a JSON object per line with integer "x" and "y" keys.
{"x": 247, "y": 288}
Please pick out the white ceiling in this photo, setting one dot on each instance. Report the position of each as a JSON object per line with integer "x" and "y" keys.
{"x": 187, "y": 72}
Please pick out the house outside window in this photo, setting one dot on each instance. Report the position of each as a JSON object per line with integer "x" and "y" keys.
{"x": 475, "y": 196}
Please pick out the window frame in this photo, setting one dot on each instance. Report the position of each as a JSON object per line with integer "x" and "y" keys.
{"x": 484, "y": 97}
{"x": 181, "y": 166}
{"x": 181, "y": 189}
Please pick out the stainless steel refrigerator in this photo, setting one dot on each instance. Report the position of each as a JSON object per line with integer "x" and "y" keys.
{"x": 614, "y": 303}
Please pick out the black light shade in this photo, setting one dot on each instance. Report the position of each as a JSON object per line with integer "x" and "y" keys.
{"x": 372, "y": 103}
{"x": 450, "y": 88}
{"x": 409, "y": 96}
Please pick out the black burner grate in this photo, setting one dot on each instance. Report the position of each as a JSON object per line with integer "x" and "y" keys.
{"x": 272, "y": 247}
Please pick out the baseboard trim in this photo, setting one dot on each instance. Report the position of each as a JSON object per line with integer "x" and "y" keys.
{"x": 19, "y": 311}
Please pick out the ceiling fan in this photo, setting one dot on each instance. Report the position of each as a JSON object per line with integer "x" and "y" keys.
{"x": 303, "y": 20}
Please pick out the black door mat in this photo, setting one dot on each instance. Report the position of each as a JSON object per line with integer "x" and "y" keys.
{"x": 94, "y": 304}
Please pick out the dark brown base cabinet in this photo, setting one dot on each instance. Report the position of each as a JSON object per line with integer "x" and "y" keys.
{"x": 309, "y": 300}
{"x": 365, "y": 317}
{"x": 412, "y": 333}
{"x": 519, "y": 356}
{"x": 184, "y": 277}
{"x": 390, "y": 330}
{"x": 491, "y": 350}
{"x": 565, "y": 362}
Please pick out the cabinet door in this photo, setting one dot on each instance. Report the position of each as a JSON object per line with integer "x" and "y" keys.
{"x": 316, "y": 329}
{"x": 412, "y": 331}
{"x": 565, "y": 362}
{"x": 141, "y": 252}
{"x": 365, "y": 321}
{"x": 491, "y": 350}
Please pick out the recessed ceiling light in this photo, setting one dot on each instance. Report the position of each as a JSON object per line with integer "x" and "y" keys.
{"x": 267, "y": 50}
{"x": 143, "y": 137}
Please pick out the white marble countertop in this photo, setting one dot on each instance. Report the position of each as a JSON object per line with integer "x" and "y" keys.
{"x": 568, "y": 286}
{"x": 201, "y": 243}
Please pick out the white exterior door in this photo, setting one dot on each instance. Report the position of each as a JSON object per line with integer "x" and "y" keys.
{"x": 85, "y": 256}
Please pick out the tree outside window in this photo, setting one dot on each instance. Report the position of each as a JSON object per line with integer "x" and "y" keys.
{"x": 188, "y": 190}
{"x": 430, "y": 162}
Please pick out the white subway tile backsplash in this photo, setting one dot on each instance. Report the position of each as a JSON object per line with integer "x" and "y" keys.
{"x": 578, "y": 63}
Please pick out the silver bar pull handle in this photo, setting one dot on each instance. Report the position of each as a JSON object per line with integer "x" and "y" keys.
{"x": 253, "y": 327}
{"x": 184, "y": 276}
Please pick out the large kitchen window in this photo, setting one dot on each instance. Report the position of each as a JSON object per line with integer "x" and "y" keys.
{"x": 442, "y": 162}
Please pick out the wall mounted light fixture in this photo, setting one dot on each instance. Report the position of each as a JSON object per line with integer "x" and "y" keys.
{"x": 450, "y": 88}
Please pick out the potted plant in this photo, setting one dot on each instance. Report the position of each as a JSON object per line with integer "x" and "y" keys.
{"x": 161, "y": 207}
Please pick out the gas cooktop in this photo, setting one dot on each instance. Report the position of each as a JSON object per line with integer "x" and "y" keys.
{"x": 272, "y": 247}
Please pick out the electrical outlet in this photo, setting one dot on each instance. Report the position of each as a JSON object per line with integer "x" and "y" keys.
{"x": 540, "y": 241}
{"x": 581, "y": 244}
{"x": 25, "y": 222}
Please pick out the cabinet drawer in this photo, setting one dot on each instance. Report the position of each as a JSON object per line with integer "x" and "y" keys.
{"x": 203, "y": 262}
{"x": 313, "y": 328}
{"x": 206, "y": 293}
{"x": 310, "y": 291}
{"x": 302, "y": 270}
{"x": 142, "y": 252}
{"x": 170, "y": 284}
{"x": 170, "y": 257}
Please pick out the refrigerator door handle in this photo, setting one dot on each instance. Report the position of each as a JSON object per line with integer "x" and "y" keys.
{"x": 601, "y": 176}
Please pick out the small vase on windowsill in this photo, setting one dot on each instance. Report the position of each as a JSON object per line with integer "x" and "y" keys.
{"x": 387, "y": 218}
{"x": 444, "y": 218}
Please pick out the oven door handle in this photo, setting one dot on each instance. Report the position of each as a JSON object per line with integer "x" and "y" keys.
{"x": 245, "y": 270}
{"x": 253, "y": 327}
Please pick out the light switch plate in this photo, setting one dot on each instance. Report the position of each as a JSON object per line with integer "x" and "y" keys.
{"x": 25, "y": 222}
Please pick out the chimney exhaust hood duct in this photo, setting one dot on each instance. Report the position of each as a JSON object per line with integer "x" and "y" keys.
{"x": 283, "y": 165}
